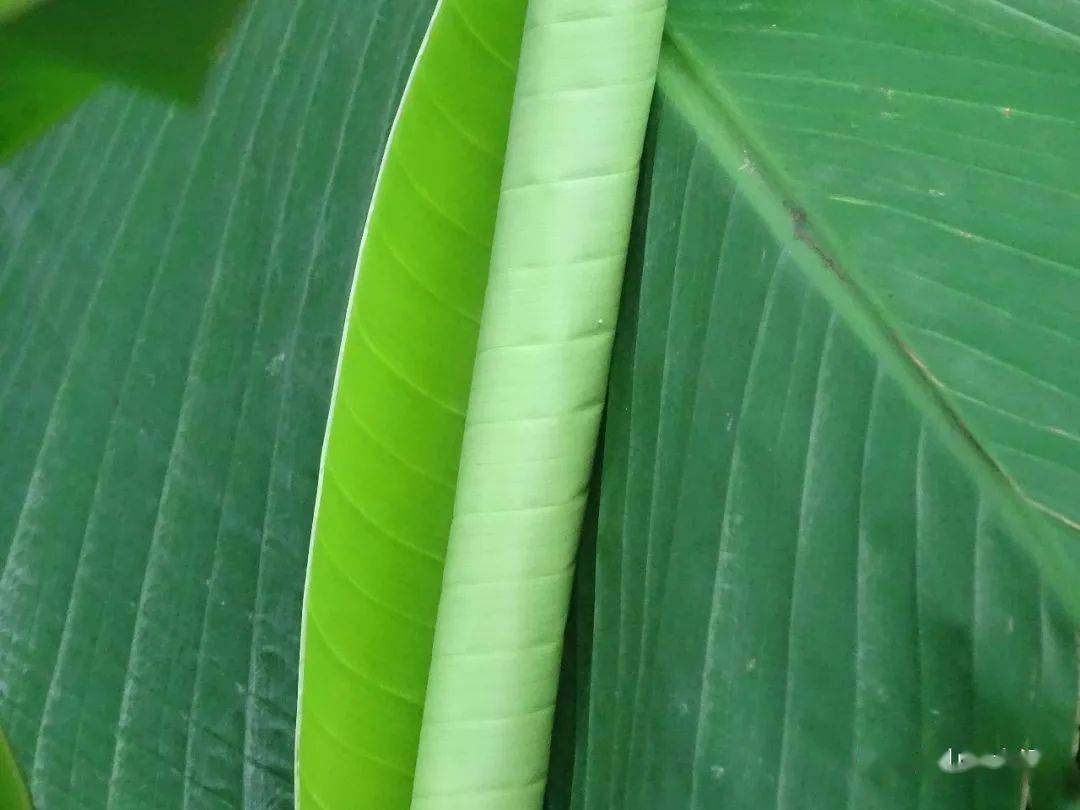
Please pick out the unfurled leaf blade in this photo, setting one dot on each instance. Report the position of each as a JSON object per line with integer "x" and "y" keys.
{"x": 939, "y": 185}
{"x": 800, "y": 596}
{"x": 172, "y": 289}
{"x": 836, "y": 519}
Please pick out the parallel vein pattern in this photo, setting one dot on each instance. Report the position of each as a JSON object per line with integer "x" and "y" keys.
{"x": 580, "y": 107}
{"x": 935, "y": 158}
{"x": 800, "y": 599}
{"x": 172, "y": 285}
{"x": 391, "y": 457}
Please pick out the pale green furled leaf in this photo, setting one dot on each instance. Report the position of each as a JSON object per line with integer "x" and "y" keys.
{"x": 173, "y": 283}
{"x": 465, "y": 417}
{"x": 580, "y": 108}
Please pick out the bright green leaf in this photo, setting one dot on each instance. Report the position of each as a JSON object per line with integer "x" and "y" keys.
{"x": 13, "y": 793}
{"x": 390, "y": 465}
{"x": 469, "y": 706}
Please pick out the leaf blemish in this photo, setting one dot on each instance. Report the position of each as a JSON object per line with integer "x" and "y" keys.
{"x": 802, "y": 231}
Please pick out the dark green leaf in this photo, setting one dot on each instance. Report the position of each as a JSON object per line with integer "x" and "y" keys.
{"x": 841, "y": 456}
{"x": 34, "y": 93}
{"x": 54, "y": 53}
{"x": 172, "y": 289}
{"x": 801, "y": 599}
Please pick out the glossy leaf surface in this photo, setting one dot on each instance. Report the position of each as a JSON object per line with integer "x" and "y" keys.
{"x": 800, "y": 598}
{"x": 172, "y": 289}
{"x": 842, "y": 424}
{"x": 931, "y": 165}
{"x": 839, "y": 439}
{"x": 390, "y": 466}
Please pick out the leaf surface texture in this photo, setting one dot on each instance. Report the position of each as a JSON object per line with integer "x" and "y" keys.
{"x": 837, "y": 480}
{"x": 172, "y": 289}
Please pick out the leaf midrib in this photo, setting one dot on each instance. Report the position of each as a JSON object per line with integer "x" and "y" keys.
{"x": 709, "y": 110}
